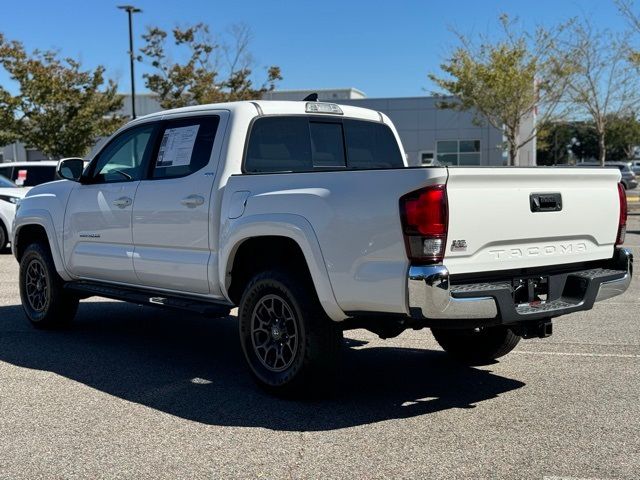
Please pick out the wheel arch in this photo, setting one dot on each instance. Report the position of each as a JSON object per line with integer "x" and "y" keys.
{"x": 286, "y": 238}
{"x": 37, "y": 226}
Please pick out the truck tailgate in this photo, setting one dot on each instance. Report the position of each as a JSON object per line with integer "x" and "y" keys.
{"x": 505, "y": 218}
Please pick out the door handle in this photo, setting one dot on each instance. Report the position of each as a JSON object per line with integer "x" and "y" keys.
{"x": 545, "y": 202}
{"x": 122, "y": 202}
{"x": 192, "y": 201}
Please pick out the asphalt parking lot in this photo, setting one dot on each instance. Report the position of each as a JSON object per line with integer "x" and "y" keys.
{"x": 133, "y": 392}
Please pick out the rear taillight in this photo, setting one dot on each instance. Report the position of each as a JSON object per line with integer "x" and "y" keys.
{"x": 425, "y": 217}
{"x": 622, "y": 222}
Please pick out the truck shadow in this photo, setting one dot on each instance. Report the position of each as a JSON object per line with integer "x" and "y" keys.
{"x": 192, "y": 367}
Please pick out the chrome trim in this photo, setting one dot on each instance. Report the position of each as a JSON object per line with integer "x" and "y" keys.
{"x": 617, "y": 287}
{"x": 429, "y": 294}
{"x": 428, "y": 291}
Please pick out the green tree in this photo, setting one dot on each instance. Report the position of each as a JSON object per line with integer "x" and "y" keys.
{"x": 552, "y": 143}
{"x": 558, "y": 139}
{"x": 506, "y": 80}
{"x": 212, "y": 72}
{"x": 623, "y": 136}
{"x": 587, "y": 146}
{"x": 60, "y": 109}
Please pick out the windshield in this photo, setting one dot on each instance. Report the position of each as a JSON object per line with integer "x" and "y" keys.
{"x": 6, "y": 183}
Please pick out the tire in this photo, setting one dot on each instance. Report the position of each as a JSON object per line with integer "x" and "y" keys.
{"x": 44, "y": 300}
{"x": 4, "y": 238}
{"x": 476, "y": 346}
{"x": 289, "y": 343}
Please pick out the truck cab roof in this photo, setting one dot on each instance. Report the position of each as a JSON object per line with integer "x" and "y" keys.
{"x": 274, "y": 107}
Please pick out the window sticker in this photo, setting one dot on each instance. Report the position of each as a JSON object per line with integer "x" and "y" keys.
{"x": 176, "y": 146}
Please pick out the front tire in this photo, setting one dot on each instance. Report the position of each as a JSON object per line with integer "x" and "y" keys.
{"x": 476, "y": 346}
{"x": 44, "y": 300}
{"x": 288, "y": 341}
{"x": 4, "y": 238}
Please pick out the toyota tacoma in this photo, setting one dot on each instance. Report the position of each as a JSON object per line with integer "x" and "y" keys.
{"x": 306, "y": 217}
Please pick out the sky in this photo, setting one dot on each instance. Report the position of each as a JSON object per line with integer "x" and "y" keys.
{"x": 384, "y": 48}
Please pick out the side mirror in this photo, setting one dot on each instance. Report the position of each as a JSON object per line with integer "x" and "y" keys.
{"x": 70, "y": 169}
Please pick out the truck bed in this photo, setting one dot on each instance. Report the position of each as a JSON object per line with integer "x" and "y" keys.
{"x": 355, "y": 216}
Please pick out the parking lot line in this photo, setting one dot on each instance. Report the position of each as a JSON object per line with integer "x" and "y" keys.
{"x": 579, "y": 354}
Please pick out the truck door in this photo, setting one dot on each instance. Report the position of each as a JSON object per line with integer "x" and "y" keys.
{"x": 172, "y": 231}
{"x": 98, "y": 241}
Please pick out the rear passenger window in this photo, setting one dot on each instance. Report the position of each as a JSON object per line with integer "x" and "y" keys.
{"x": 185, "y": 146}
{"x": 303, "y": 144}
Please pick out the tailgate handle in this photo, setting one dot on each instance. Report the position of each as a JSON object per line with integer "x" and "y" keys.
{"x": 545, "y": 202}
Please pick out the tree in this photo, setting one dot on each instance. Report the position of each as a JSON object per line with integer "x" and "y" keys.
{"x": 211, "y": 73}
{"x": 623, "y": 136}
{"x": 552, "y": 141}
{"x": 626, "y": 7}
{"x": 558, "y": 140}
{"x": 505, "y": 81}
{"x": 60, "y": 109}
{"x": 604, "y": 82}
{"x": 587, "y": 146}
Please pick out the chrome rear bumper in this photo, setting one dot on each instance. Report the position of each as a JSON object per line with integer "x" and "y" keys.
{"x": 431, "y": 295}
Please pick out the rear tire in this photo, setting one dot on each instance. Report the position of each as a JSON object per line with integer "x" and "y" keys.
{"x": 476, "y": 346}
{"x": 290, "y": 344}
{"x": 44, "y": 300}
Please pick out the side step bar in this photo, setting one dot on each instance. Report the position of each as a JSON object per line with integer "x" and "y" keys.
{"x": 149, "y": 297}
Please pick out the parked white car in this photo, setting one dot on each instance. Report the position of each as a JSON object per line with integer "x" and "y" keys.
{"x": 10, "y": 196}
{"x": 305, "y": 215}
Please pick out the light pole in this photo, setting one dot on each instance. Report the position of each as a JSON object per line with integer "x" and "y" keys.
{"x": 130, "y": 9}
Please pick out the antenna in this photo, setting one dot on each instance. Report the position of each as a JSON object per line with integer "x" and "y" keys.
{"x": 312, "y": 97}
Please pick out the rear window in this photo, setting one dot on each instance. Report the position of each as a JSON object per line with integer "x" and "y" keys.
{"x": 371, "y": 145}
{"x": 279, "y": 144}
{"x": 303, "y": 144}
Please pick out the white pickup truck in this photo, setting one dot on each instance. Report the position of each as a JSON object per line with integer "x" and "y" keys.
{"x": 306, "y": 216}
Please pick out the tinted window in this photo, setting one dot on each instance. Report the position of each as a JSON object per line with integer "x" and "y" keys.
{"x": 279, "y": 144}
{"x": 7, "y": 172}
{"x": 371, "y": 145}
{"x": 185, "y": 146}
{"x": 36, "y": 175}
{"x": 327, "y": 147}
{"x": 296, "y": 144}
{"x": 122, "y": 159}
